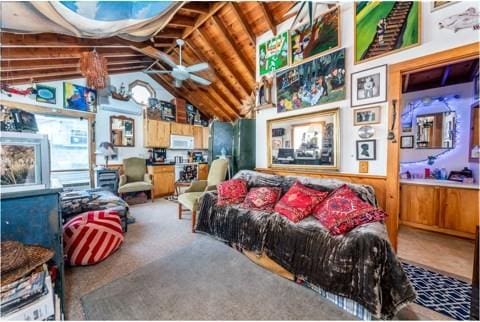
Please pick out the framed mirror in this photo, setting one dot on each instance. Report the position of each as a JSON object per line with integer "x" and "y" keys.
{"x": 436, "y": 131}
{"x": 305, "y": 141}
{"x": 122, "y": 131}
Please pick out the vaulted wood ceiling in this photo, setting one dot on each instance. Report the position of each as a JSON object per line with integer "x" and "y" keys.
{"x": 220, "y": 33}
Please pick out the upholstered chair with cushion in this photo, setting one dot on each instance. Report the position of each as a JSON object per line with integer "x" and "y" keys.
{"x": 189, "y": 199}
{"x": 135, "y": 177}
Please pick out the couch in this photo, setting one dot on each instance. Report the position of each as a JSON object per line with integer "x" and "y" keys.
{"x": 359, "y": 265}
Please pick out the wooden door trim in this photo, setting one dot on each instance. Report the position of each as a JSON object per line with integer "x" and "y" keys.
{"x": 395, "y": 73}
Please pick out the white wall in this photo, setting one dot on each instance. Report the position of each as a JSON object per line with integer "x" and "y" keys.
{"x": 456, "y": 158}
{"x": 432, "y": 40}
{"x": 102, "y": 125}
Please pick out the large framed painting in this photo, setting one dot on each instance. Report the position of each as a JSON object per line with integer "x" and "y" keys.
{"x": 273, "y": 54}
{"x": 369, "y": 86}
{"x": 305, "y": 141}
{"x": 312, "y": 83}
{"x": 79, "y": 98}
{"x": 384, "y": 27}
{"x": 311, "y": 40}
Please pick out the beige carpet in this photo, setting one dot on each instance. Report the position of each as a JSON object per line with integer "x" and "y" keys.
{"x": 156, "y": 234}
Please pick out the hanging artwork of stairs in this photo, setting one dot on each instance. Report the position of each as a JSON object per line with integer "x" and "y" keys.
{"x": 395, "y": 27}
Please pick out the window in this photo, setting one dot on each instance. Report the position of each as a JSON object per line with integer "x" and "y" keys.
{"x": 141, "y": 91}
{"x": 69, "y": 151}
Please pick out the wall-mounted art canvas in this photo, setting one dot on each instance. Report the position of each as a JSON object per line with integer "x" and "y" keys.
{"x": 273, "y": 54}
{"x": 79, "y": 98}
{"x": 316, "y": 82}
{"x": 311, "y": 40}
{"x": 383, "y": 27}
{"x": 46, "y": 94}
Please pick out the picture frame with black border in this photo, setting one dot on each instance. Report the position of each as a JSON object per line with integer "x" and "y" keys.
{"x": 368, "y": 86}
{"x": 407, "y": 142}
{"x": 366, "y": 116}
{"x": 366, "y": 150}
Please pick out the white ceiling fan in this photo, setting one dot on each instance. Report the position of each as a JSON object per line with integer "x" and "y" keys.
{"x": 179, "y": 71}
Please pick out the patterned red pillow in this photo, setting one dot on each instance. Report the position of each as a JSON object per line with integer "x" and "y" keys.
{"x": 343, "y": 210}
{"x": 299, "y": 201}
{"x": 231, "y": 192}
{"x": 262, "y": 198}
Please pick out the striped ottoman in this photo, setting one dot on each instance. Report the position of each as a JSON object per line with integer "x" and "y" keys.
{"x": 92, "y": 236}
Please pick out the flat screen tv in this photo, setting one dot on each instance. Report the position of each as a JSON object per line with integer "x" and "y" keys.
{"x": 25, "y": 161}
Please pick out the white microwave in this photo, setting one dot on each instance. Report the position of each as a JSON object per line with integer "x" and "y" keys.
{"x": 181, "y": 142}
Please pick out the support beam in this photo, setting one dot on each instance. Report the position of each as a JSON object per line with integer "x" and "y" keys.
{"x": 61, "y": 53}
{"x": 196, "y": 7}
{"x": 169, "y": 33}
{"x": 224, "y": 32}
{"x": 236, "y": 75}
{"x": 61, "y": 64}
{"x": 243, "y": 21}
{"x": 182, "y": 21}
{"x": 268, "y": 17}
{"x": 50, "y": 40}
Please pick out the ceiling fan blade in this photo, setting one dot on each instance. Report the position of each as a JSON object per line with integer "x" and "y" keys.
{"x": 178, "y": 83}
{"x": 200, "y": 80}
{"x": 157, "y": 71}
{"x": 197, "y": 67}
{"x": 167, "y": 59}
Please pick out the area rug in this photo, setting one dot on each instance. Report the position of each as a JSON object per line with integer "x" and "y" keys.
{"x": 440, "y": 293}
{"x": 206, "y": 280}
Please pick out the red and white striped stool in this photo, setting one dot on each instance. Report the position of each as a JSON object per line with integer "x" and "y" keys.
{"x": 92, "y": 236}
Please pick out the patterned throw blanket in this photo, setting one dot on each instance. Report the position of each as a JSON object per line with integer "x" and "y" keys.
{"x": 359, "y": 265}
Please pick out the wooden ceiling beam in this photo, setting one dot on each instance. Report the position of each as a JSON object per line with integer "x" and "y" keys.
{"x": 221, "y": 58}
{"x": 182, "y": 21}
{"x": 243, "y": 22}
{"x": 196, "y": 7}
{"x": 224, "y": 32}
{"x": 268, "y": 17}
{"x": 11, "y": 40}
{"x": 55, "y": 65}
{"x": 53, "y": 53}
{"x": 169, "y": 33}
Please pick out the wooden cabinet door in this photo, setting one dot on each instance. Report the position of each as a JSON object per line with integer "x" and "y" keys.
{"x": 187, "y": 129}
{"x": 202, "y": 171}
{"x": 419, "y": 204}
{"x": 459, "y": 209}
{"x": 181, "y": 129}
{"x": 175, "y": 128}
{"x": 150, "y": 134}
{"x": 205, "y": 135}
{"x": 197, "y": 137}
{"x": 163, "y": 180}
{"x": 163, "y": 134}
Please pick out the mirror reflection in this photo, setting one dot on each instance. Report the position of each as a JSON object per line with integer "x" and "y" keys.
{"x": 306, "y": 140}
{"x": 122, "y": 131}
{"x": 436, "y": 131}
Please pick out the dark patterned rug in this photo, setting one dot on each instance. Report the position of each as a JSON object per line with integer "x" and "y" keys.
{"x": 440, "y": 293}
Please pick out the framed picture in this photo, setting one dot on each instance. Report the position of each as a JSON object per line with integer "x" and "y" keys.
{"x": 385, "y": 27}
{"x": 369, "y": 86}
{"x": 311, "y": 40}
{"x": 79, "y": 98}
{"x": 366, "y": 150}
{"x": 364, "y": 116}
{"x": 273, "y": 54}
{"x": 277, "y": 143}
{"x": 24, "y": 121}
{"x": 46, "y": 94}
{"x": 406, "y": 142}
{"x": 312, "y": 83}
{"x": 435, "y": 5}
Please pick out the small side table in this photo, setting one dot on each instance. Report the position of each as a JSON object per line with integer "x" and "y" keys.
{"x": 107, "y": 179}
{"x": 178, "y": 185}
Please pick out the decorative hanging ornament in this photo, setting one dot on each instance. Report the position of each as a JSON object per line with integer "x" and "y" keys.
{"x": 94, "y": 68}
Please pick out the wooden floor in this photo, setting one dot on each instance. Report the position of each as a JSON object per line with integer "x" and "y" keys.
{"x": 443, "y": 253}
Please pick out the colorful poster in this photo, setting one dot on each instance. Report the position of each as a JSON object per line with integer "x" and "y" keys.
{"x": 80, "y": 98}
{"x": 273, "y": 54}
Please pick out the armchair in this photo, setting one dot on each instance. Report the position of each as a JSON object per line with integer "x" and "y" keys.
{"x": 135, "y": 177}
{"x": 189, "y": 199}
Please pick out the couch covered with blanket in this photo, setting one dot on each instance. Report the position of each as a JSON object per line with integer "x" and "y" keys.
{"x": 360, "y": 265}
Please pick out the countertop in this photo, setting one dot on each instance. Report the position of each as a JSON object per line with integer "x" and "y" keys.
{"x": 441, "y": 183}
{"x": 173, "y": 163}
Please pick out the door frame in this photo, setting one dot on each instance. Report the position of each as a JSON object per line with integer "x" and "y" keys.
{"x": 395, "y": 73}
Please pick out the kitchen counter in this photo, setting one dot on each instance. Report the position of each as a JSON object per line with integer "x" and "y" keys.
{"x": 441, "y": 183}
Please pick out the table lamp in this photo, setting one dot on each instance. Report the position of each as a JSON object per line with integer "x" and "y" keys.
{"x": 106, "y": 149}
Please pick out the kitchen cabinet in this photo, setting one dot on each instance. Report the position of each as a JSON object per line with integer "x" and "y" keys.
{"x": 163, "y": 179}
{"x": 198, "y": 137}
{"x": 205, "y": 135}
{"x": 449, "y": 210}
{"x": 157, "y": 134}
{"x": 202, "y": 171}
{"x": 181, "y": 129}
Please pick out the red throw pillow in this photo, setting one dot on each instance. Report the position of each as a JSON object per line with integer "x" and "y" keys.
{"x": 231, "y": 192}
{"x": 262, "y": 198}
{"x": 344, "y": 210}
{"x": 299, "y": 201}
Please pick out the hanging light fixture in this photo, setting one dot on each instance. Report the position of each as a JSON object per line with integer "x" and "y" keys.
{"x": 94, "y": 68}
